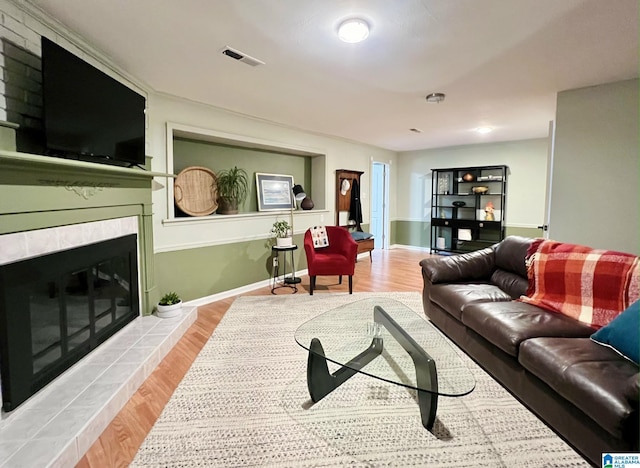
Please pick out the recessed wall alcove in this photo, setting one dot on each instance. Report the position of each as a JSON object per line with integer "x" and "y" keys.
{"x": 193, "y": 146}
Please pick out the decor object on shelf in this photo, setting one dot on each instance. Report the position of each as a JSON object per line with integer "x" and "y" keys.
{"x": 443, "y": 184}
{"x": 298, "y": 196}
{"x": 195, "y": 191}
{"x": 480, "y": 189}
{"x": 464, "y": 234}
{"x": 274, "y": 192}
{"x": 468, "y": 177}
{"x": 283, "y": 233}
{"x": 458, "y": 203}
{"x": 169, "y": 305}
{"x": 488, "y": 212}
{"x": 233, "y": 188}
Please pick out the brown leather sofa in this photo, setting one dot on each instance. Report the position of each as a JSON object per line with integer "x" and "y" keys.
{"x": 587, "y": 393}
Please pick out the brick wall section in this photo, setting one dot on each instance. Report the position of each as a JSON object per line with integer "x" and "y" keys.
{"x": 21, "y": 76}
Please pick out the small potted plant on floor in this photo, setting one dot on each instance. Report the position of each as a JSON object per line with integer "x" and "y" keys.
{"x": 282, "y": 232}
{"x": 169, "y": 305}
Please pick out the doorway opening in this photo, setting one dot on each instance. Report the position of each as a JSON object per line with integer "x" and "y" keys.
{"x": 380, "y": 225}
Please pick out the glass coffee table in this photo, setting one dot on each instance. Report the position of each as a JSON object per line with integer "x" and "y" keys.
{"x": 386, "y": 340}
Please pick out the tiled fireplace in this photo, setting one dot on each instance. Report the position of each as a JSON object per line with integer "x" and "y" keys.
{"x": 50, "y": 205}
{"x": 63, "y": 291}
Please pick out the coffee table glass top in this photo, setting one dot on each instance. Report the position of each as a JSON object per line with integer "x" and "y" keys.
{"x": 349, "y": 330}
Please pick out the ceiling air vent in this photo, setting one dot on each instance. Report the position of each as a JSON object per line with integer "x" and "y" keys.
{"x": 241, "y": 56}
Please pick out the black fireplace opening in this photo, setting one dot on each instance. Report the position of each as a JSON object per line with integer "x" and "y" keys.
{"x": 56, "y": 308}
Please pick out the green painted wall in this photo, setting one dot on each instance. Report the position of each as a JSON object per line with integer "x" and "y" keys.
{"x": 217, "y": 157}
{"x": 201, "y": 272}
{"x": 524, "y": 232}
{"x": 412, "y": 233}
{"x": 418, "y": 233}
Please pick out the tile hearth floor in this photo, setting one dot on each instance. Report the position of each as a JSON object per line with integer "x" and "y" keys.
{"x": 57, "y": 426}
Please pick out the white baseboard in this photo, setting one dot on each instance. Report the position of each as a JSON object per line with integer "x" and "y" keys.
{"x": 237, "y": 291}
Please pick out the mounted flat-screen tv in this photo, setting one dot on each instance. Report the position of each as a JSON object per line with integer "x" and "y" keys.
{"x": 89, "y": 115}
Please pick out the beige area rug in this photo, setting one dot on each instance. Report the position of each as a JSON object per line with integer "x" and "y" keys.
{"x": 244, "y": 402}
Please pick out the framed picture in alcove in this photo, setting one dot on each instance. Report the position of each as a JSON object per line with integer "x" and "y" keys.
{"x": 274, "y": 192}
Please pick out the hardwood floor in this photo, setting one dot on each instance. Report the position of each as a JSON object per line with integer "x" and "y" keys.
{"x": 390, "y": 270}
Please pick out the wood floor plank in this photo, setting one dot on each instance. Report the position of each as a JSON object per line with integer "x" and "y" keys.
{"x": 388, "y": 271}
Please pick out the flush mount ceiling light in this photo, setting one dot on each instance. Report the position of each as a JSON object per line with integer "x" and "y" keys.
{"x": 484, "y": 130}
{"x": 353, "y": 30}
{"x": 435, "y": 97}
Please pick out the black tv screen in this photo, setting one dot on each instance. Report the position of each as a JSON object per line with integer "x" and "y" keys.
{"x": 87, "y": 114}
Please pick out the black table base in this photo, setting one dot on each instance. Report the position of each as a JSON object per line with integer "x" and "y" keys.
{"x": 320, "y": 382}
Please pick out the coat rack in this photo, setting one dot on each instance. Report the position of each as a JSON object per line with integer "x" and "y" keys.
{"x": 344, "y": 208}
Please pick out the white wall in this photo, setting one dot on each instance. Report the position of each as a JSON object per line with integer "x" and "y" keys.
{"x": 195, "y": 232}
{"x": 594, "y": 198}
{"x": 526, "y": 183}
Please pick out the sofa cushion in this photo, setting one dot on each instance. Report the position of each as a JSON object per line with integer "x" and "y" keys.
{"x": 623, "y": 333}
{"x": 511, "y": 283}
{"x": 454, "y": 297}
{"x": 592, "y": 377}
{"x": 472, "y": 266}
{"x": 511, "y": 254}
{"x": 508, "y": 324}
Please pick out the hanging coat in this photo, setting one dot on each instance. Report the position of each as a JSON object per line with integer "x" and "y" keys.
{"x": 355, "y": 209}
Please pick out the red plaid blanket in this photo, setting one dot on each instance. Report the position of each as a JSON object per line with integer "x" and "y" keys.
{"x": 590, "y": 285}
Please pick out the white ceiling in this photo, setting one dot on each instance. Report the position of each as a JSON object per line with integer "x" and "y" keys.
{"x": 499, "y": 62}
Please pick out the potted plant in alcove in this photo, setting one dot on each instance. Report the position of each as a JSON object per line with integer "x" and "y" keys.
{"x": 283, "y": 234}
{"x": 233, "y": 188}
{"x": 169, "y": 305}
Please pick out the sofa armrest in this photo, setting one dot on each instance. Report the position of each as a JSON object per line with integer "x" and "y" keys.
{"x": 471, "y": 266}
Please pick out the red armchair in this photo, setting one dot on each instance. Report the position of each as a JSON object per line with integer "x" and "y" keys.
{"x": 338, "y": 258}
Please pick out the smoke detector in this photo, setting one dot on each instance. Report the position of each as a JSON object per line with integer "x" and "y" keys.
{"x": 241, "y": 56}
{"x": 435, "y": 97}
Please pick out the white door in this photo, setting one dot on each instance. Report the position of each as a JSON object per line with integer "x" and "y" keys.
{"x": 379, "y": 205}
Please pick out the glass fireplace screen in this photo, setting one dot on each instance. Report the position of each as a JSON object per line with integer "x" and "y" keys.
{"x": 57, "y": 308}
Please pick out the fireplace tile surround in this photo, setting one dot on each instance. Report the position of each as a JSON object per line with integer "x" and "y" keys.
{"x": 32, "y": 244}
{"x": 49, "y": 204}
{"x": 57, "y": 426}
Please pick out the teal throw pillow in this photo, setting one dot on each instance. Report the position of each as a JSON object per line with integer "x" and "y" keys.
{"x": 623, "y": 333}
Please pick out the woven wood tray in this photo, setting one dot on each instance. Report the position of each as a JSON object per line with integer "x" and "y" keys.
{"x": 195, "y": 191}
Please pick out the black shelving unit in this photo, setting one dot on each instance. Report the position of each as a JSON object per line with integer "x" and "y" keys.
{"x": 468, "y": 207}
